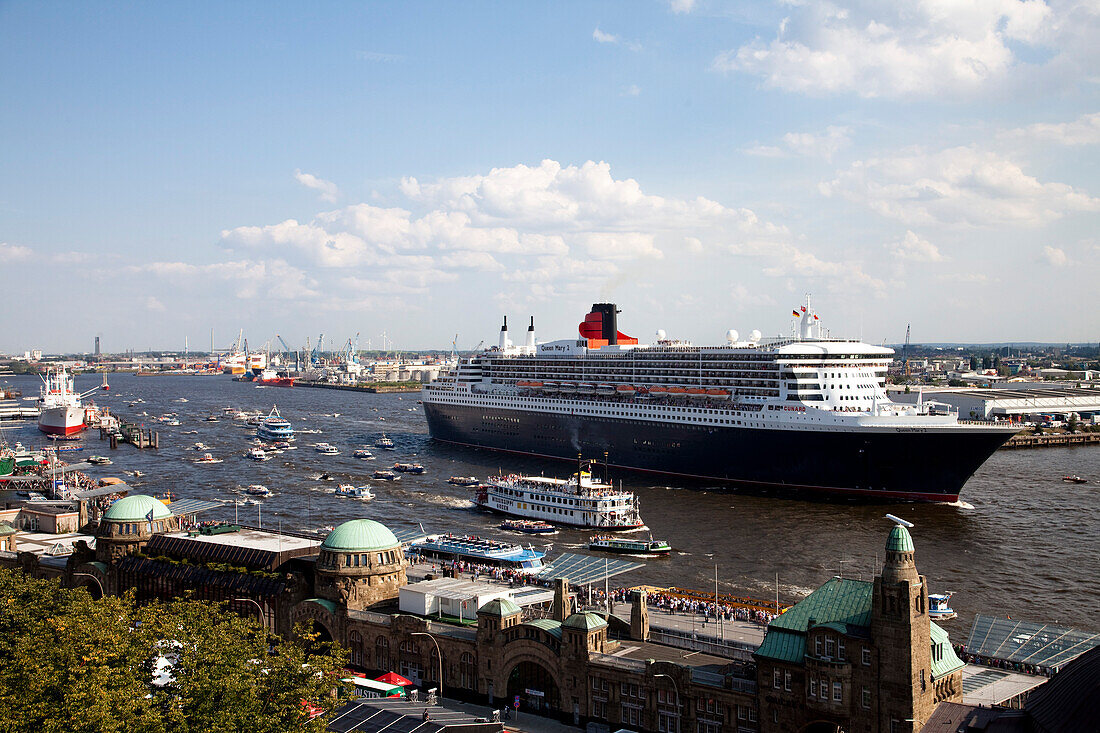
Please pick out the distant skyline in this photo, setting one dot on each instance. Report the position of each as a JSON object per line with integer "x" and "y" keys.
{"x": 425, "y": 168}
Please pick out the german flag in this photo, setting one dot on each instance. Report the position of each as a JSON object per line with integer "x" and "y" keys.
{"x": 796, "y": 314}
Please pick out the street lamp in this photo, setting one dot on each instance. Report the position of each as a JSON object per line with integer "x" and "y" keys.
{"x": 438, "y": 654}
{"x": 676, "y": 688}
{"x": 89, "y": 575}
{"x": 254, "y": 602}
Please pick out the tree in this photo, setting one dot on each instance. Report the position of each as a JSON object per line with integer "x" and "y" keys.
{"x": 1071, "y": 423}
{"x": 72, "y": 664}
{"x": 987, "y": 363}
{"x": 973, "y": 363}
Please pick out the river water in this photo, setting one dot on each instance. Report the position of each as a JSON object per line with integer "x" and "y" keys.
{"x": 1021, "y": 543}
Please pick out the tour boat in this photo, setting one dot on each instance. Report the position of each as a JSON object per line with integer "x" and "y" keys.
{"x": 385, "y": 475}
{"x": 938, "y": 608}
{"x": 582, "y": 500}
{"x": 275, "y": 427}
{"x": 606, "y": 543}
{"x": 408, "y": 467}
{"x": 354, "y": 492}
{"x": 528, "y": 526}
{"x": 363, "y": 453}
{"x": 464, "y": 480}
{"x": 257, "y": 454}
{"x": 478, "y": 550}
{"x": 327, "y": 449}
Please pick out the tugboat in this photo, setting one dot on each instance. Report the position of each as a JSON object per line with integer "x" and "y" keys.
{"x": 938, "y": 608}
{"x": 384, "y": 443}
{"x": 354, "y": 492}
{"x": 464, "y": 480}
{"x": 528, "y": 526}
{"x": 408, "y": 467}
{"x": 607, "y": 543}
{"x": 385, "y": 475}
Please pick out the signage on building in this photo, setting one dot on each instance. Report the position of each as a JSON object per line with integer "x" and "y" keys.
{"x": 534, "y": 693}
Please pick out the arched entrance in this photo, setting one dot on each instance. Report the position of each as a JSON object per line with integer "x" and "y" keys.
{"x": 535, "y": 687}
{"x": 323, "y": 635}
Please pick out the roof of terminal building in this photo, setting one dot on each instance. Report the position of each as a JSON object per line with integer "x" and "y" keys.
{"x": 499, "y": 607}
{"x": 1028, "y": 642}
{"x": 838, "y": 601}
{"x": 947, "y": 662}
{"x": 195, "y": 576}
{"x": 585, "y": 622}
{"x": 549, "y": 625}
{"x": 360, "y": 535}
{"x": 252, "y": 548}
{"x": 136, "y": 508}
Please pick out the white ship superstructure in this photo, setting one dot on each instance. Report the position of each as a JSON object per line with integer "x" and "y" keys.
{"x": 803, "y": 411}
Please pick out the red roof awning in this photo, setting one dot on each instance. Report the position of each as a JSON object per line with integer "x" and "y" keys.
{"x": 392, "y": 678}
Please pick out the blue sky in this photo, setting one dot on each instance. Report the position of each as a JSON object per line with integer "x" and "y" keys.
{"x": 424, "y": 168}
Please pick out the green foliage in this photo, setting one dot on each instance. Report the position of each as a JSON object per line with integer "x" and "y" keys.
{"x": 1071, "y": 424}
{"x": 75, "y": 664}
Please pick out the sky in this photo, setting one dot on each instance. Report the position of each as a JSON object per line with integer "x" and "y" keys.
{"x": 421, "y": 169}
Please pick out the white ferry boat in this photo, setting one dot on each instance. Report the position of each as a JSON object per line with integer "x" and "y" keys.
{"x": 581, "y": 500}
{"x": 804, "y": 412}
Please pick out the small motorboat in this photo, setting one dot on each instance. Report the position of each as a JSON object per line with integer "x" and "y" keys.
{"x": 172, "y": 421}
{"x": 257, "y": 490}
{"x": 257, "y": 454}
{"x": 208, "y": 458}
{"x": 384, "y": 443}
{"x": 212, "y": 418}
{"x": 385, "y": 475}
{"x": 354, "y": 492}
{"x": 528, "y": 526}
{"x": 327, "y": 449}
{"x": 324, "y": 477}
{"x": 199, "y": 446}
{"x": 282, "y": 445}
{"x": 99, "y": 460}
{"x": 408, "y": 467}
{"x": 364, "y": 454}
{"x": 463, "y": 480}
{"x": 1075, "y": 479}
{"x": 938, "y": 608}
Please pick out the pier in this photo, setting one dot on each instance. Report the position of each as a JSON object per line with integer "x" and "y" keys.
{"x": 363, "y": 387}
{"x": 133, "y": 434}
{"x": 1048, "y": 439}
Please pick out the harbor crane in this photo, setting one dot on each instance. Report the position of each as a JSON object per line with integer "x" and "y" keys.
{"x": 315, "y": 355}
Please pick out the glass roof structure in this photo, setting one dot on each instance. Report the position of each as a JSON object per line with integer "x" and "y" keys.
{"x": 586, "y": 569}
{"x": 1027, "y": 642}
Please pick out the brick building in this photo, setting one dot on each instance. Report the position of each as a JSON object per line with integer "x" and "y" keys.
{"x": 854, "y": 656}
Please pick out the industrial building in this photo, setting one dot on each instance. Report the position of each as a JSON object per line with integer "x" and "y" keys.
{"x": 1020, "y": 401}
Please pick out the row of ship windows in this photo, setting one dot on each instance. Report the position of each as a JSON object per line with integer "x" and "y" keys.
{"x": 549, "y": 509}
{"x": 672, "y": 408}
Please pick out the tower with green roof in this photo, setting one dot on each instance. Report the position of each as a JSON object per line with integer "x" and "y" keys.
{"x": 128, "y": 524}
{"x": 361, "y": 564}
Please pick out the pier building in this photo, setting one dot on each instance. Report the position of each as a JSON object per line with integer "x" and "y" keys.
{"x": 856, "y": 656}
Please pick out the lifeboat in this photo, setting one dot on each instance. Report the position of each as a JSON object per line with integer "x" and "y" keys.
{"x": 718, "y": 394}
{"x": 568, "y": 388}
{"x": 585, "y": 388}
{"x": 696, "y": 392}
{"x": 677, "y": 391}
{"x": 549, "y": 386}
{"x": 625, "y": 390}
{"x": 605, "y": 390}
{"x": 658, "y": 391}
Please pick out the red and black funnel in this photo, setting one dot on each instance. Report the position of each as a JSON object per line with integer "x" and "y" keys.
{"x": 602, "y": 324}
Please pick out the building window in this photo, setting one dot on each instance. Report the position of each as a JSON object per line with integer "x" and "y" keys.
{"x": 840, "y": 649}
{"x": 830, "y": 647}
{"x": 865, "y": 698}
{"x": 752, "y": 713}
{"x": 866, "y": 657}
{"x": 787, "y": 681}
{"x": 817, "y": 646}
{"x": 599, "y": 709}
{"x": 777, "y": 679}
{"x": 837, "y": 692}
{"x": 813, "y": 687}
{"x": 382, "y": 652}
{"x": 630, "y": 715}
{"x": 922, "y": 682}
{"x": 467, "y": 671}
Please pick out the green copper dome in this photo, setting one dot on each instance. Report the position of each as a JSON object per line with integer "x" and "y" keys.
{"x": 499, "y": 607}
{"x": 136, "y": 508}
{"x": 584, "y": 621}
{"x": 360, "y": 535}
{"x": 899, "y": 540}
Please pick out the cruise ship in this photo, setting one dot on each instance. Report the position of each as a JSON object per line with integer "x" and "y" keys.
{"x": 806, "y": 412}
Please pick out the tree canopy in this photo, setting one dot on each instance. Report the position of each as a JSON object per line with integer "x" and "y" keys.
{"x": 72, "y": 663}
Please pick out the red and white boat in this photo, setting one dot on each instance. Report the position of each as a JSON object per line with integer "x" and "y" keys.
{"x": 61, "y": 412}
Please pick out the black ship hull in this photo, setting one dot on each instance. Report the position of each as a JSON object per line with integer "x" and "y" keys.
{"x": 903, "y": 464}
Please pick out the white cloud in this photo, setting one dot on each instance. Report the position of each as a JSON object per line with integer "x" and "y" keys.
{"x": 915, "y": 249}
{"x": 154, "y": 305}
{"x": 327, "y": 189}
{"x": 379, "y": 57}
{"x": 14, "y": 252}
{"x": 1085, "y": 130}
{"x": 681, "y": 6}
{"x": 631, "y": 91}
{"x": 914, "y": 49}
{"x": 601, "y": 37}
{"x": 1055, "y": 256}
{"x": 959, "y": 186}
{"x": 807, "y": 144}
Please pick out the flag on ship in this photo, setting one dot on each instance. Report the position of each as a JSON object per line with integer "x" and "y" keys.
{"x": 794, "y": 313}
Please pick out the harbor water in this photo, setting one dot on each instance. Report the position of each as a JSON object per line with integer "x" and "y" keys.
{"x": 1021, "y": 543}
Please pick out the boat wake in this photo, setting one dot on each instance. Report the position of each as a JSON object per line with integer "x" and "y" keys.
{"x": 960, "y": 504}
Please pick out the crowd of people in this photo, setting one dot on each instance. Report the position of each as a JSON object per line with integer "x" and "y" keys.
{"x": 1009, "y": 666}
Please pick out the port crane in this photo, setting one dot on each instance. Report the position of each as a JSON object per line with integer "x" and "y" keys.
{"x": 315, "y": 355}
